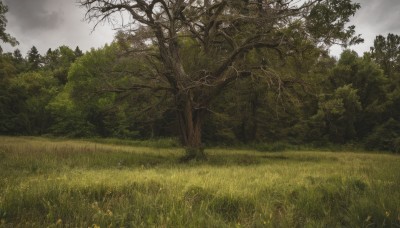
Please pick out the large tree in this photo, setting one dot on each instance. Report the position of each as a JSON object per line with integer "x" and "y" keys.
{"x": 199, "y": 47}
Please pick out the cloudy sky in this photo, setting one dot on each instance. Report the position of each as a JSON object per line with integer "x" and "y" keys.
{"x": 52, "y": 23}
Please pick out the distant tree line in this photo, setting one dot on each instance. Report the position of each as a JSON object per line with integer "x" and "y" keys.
{"x": 210, "y": 74}
{"x": 355, "y": 99}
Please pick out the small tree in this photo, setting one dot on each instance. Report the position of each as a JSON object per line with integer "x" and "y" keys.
{"x": 78, "y": 52}
{"x": 220, "y": 35}
{"x": 34, "y": 58}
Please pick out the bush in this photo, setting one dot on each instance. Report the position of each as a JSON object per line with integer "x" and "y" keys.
{"x": 396, "y": 145}
{"x": 385, "y": 137}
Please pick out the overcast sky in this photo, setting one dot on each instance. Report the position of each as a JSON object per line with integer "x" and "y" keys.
{"x": 52, "y": 23}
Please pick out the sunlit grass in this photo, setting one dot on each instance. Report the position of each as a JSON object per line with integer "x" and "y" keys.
{"x": 79, "y": 184}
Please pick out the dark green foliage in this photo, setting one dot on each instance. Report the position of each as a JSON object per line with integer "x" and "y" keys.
{"x": 34, "y": 59}
{"x": 311, "y": 99}
{"x": 78, "y": 52}
{"x": 352, "y": 102}
{"x": 111, "y": 114}
{"x": 385, "y": 137}
{"x": 29, "y": 86}
{"x": 386, "y": 52}
{"x": 347, "y": 102}
{"x": 59, "y": 62}
{"x": 19, "y": 62}
{"x": 339, "y": 114}
{"x": 331, "y": 17}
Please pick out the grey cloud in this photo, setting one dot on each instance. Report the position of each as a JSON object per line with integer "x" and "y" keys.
{"x": 381, "y": 15}
{"x": 376, "y": 17}
{"x": 31, "y": 15}
{"x": 52, "y": 23}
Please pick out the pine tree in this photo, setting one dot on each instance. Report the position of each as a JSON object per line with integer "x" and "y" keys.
{"x": 34, "y": 58}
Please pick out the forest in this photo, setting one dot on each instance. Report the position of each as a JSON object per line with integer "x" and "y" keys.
{"x": 296, "y": 94}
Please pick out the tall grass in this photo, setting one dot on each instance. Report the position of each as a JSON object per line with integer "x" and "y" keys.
{"x": 155, "y": 143}
{"x": 89, "y": 184}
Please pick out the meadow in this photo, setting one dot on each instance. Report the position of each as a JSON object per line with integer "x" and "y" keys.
{"x": 75, "y": 183}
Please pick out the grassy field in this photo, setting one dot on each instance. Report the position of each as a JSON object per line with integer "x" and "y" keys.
{"x": 62, "y": 183}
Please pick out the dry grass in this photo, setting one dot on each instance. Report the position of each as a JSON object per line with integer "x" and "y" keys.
{"x": 76, "y": 183}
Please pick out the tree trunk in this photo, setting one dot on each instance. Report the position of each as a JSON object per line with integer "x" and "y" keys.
{"x": 190, "y": 123}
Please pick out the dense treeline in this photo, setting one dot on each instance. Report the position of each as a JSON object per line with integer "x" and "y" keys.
{"x": 354, "y": 99}
{"x": 211, "y": 74}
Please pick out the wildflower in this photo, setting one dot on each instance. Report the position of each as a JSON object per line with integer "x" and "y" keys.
{"x": 109, "y": 213}
{"x": 95, "y": 205}
{"x": 387, "y": 213}
{"x": 59, "y": 222}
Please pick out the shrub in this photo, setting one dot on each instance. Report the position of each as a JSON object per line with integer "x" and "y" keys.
{"x": 385, "y": 137}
